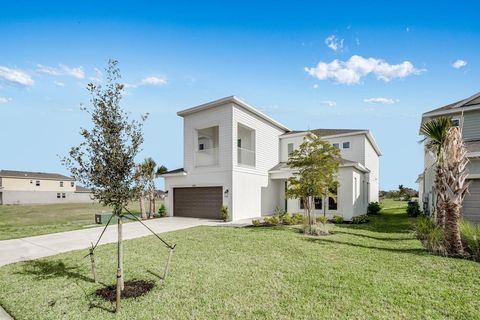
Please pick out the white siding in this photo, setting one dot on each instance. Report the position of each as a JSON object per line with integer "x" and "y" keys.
{"x": 284, "y": 141}
{"x": 356, "y": 152}
{"x": 372, "y": 163}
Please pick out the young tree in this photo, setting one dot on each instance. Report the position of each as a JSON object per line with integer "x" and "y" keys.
{"x": 435, "y": 132}
{"x": 140, "y": 185}
{"x": 150, "y": 171}
{"x": 315, "y": 164}
{"x": 455, "y": 185}
{"x": 105, "y": 160}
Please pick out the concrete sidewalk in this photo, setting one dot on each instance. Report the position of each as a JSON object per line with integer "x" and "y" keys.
{"x": 50, "y": 244}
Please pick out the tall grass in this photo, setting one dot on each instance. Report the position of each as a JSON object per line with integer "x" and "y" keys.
{"x": 431, "y": 235}
{"x": 470, "y": 234}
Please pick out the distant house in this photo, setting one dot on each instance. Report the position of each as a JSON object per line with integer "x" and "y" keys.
{"x": 466, "y": 114}
{"x": 23, "y": 187}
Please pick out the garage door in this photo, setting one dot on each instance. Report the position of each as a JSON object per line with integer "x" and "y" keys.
{"x": 204, "y": 202}
{"x": 471, "y": 203}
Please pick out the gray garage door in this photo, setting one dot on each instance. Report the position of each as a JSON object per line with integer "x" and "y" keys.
{"x": 471, "y": 203}
{"x": 204, "y": 202}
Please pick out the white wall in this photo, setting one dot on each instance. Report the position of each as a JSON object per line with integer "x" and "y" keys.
{"x": 356, "y": 152}
{"x": 297, "y": 140}
{"x": 372, "y": 162}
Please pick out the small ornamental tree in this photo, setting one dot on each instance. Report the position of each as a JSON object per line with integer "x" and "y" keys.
{"x": 105, "y": 160}
{"x": 315, "y": 164}
{"x": 150, "y": 171}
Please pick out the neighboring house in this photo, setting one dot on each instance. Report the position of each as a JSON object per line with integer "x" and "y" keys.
{"x": 235, "y": 156}
{"x": 22, "y": 187}
{"x": 466, "y": 114}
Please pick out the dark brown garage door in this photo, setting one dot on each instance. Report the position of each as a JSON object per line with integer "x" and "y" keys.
{"x": 471, "y": 203}
{"x": 204, "y": 202}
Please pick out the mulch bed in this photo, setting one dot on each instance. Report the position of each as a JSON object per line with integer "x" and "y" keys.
{"x": 133, "y": 289}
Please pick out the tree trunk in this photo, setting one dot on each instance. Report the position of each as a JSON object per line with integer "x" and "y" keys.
{"x": 452, "y": 230}
{"x": 153, "y": 203}
{"x": 120, "y": 283}
{"x": 440, "y": 203}
{"x": 142, "y": 207}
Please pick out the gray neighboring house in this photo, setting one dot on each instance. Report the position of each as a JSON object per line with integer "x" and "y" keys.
{"x": 464, "y": 113}
{"x": 24, "y": 187}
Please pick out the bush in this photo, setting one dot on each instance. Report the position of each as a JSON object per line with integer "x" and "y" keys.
{"x": 470, "y": 234}
{"x": 224, "y": 213}
{"x": 256, "y": 223}
{"x": 430, "y": 235}
{"x": 360, "y": 219}
{"x": 413, "y": 209}
{"x": 337, "y": 219}
{"x": 297, "y": 218}
{"x": 271, "y": 221}
{"x": 321, "y": 219}
{"x": 162, "y": 211}
{"x": 279, "y": 212}
{"x": 315, "y": 230}
{"x": 374, "y": 208}
{"x": 287, "y": 219}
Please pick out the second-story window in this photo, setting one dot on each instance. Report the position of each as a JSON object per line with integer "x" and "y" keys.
{"x": 61, "y": 184}
{"x": 245, "y": 146}
{"x": 290, "y": 148}
{"x": 336, "y": 145}
{"x": 455, "y": 122}
{"x": 72, "y": 184}
{"x": 37, "y": 183}
{"x": 207, "y": 147}
{"x": 346, "y": 145}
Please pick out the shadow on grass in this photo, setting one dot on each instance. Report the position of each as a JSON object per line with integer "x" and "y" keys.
{"x": 384, "y": 223}
{"x": 375, "y": 238}
{"x": 52, "y": 269}
{"x": 416, "y": 251}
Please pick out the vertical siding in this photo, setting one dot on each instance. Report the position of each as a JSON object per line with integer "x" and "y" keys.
{"x": 471, "y": 125}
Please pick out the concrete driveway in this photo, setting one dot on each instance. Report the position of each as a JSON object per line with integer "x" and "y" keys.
{"x": 51, "y": 244}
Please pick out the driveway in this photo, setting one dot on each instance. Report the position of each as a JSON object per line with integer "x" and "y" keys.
{"x": 51, "y": 244}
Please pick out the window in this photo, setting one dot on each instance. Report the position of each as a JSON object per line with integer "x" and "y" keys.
{"x": 58, "y": 195}
{"x": 201, "y": 146}
{"x": 336, "y": 145}
{"x": 355, "y": 188}
{"x": 318, "y": 203}
{"x": 72, "y": 184}
{"x": 239, "y": 143}
{"x": 63, "y": 195}
{"x": 37, "y": 183}
{"x": 346, "y": 145}
{"x": 290, "y": 148}
{"x": 31, "y": 181}
{"x": 332, "y": 203}
{"x": 455, "y": 122}
{"x": 302, "y": 205}
{"x": 61, "y": 184}
{"x": 245, "y": 145}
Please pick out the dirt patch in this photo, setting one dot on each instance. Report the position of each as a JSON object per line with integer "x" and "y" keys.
{"x": 133, "y": 289}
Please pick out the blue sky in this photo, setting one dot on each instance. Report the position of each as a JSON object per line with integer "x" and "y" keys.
{"x": 392, "y": 64}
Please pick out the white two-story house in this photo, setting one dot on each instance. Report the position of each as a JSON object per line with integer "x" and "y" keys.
{"x": 464, "y": 113}
{"x": 235, "y": 156}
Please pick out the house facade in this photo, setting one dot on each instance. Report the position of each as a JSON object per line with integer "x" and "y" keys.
{"x": 236, "y": 156}
{"x": 23, "y": 187}
{"x": 466, "y": 114}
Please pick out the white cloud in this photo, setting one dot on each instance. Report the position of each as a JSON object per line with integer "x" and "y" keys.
{"x": 381, "y": 100}
{"x": 62, "y": 70}
{"x": 97, "y": 76}
{"x": 357, "y": 67}
{"x": 315, "y": 86}
{"x": 334, "y": 43}
{"x": 15, "y": 76}
{"x": 330, "y": 103}
{"x": 154, "y": 81}
{"x": 459, "y": 64}
{"x": 5, "y": 100}
{"x": 58, "y": 83}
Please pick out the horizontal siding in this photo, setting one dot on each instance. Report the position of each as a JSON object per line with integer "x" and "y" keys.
{"x": 471, "y": 125}
{"x": 471, "y": 204}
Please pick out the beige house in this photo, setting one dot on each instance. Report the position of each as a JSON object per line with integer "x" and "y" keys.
{"x": 23, "y": 187}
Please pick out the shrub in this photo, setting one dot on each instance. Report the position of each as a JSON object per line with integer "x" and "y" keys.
{"x": 373, "y": 208}
{"x": 224, "y": 213}
{"x": 297, "y": 218}
{"x": 279, "y": 212}
{"x": 271, "y": 221}
{"x": 413, "y": 209}
{"x": 162, "y": 211}
{"x": 360, "y": 219}
{"x": 315, "y": 229}
{"x": 321, "y": 219}
{"x": 337, "y": 219}
{"x": 470, "y": 234}
{"x": 256, "y": 223}
{"x": 288, "y": 219}
{"x": 430, "y": 235}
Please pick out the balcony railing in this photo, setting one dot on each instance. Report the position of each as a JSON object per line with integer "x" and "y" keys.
{"x": 206, "y": 157}
{"x": 246, "y": 157}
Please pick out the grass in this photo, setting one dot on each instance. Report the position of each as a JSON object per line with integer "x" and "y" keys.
{"x": 371, "y": 271}
{"x": 18, "y": 221}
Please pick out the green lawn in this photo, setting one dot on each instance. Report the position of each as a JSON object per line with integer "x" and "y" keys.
{"x": 18, "y": 221}
{"x": 372, "y": 271}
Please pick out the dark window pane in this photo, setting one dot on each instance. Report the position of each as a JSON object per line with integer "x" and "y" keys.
{"x": 332, "y": 203}
{"x": 318, "y": 203}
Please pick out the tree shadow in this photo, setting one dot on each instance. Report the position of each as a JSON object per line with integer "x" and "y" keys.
{"x": 43, "y": 270}
{"x": 384, "y": 223}
{"x": 373, "y": 237}
{"x": 415, "y": 251}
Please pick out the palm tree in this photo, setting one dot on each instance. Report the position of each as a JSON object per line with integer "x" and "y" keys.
{"x": 150, "y": 171}
{"x": 140, "y": 186}
{"x": 455, "y": 185}
{"x": 435, "y": 132}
